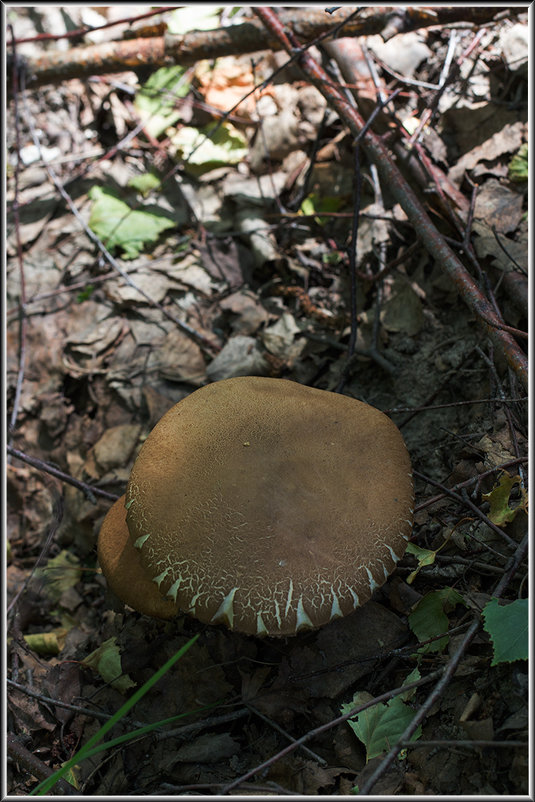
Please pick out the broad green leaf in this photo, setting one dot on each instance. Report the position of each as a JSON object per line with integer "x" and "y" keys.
{"x": 315, "y": 203}
{"x": 507, "y": 626}
{"x": 145, "y": 183}
{"x": 518, "y": 166}
{"x": 118, "y": 226}
{"x": 429, "y": 619}
{"x": 499, "y": 497}
{"x": 59, "y": 574}
{"x": 198, "y": 17}
{"x": 380, "y": 726}
{"x": 106, "y": 660}
{"x": 424, "y": 557}
{"x": 156, "y": 102}
{"x": 207, "y": 148}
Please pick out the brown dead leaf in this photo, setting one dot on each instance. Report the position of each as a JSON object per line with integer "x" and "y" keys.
{"x": 486, "y": 245}
{"x": 403, "y": 309}
{"x": 221, "y": 259}
{"x": 28, "y": 713}
{"x": 499, "y": 206}
{"x": 240, "y": 356}
{"x": 315, "y": 778}
{"x": 249, "y": 314}
{"x": 179, "y": 358}
{"x": 505, "y": 141}
{"x": 113, "y": 449}
{"x": 225, "y": 83}
{"x": 207, "y": 748}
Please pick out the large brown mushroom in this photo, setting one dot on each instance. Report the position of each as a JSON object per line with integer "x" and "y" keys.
{"x": 264, "y": 505}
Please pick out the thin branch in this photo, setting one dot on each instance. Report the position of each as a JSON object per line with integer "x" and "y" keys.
{"x": 403, "y": 194}
{"x": 470, "y": 504}
{"x": 247, "y": 37}
{"x": 89, "y": 490}
{"x": 385, "y": 697}
{"x": 34, "y": 766}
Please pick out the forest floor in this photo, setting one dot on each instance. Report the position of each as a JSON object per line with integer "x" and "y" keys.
{"x": 233, "y": 258}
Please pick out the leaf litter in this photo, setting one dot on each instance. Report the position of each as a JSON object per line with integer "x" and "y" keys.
{"x": 103, "y": 364}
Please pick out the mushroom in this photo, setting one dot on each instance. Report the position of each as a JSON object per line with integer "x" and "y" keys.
{"x": 122, "y": 567}
{"x": 265, "y": 505}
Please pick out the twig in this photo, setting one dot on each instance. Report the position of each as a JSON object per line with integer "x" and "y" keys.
{"x": 404, "y": 195}
{"x": 192, "y": 729}
{"x": 247, "y": 37}
{"x": 471, "y": 744}
{"x": 56, "y": 520}
{"x": 434, "y": 696}
{"x": 89, "y": 490}
{"x": 189, "y": 330}
{"x": 22, "y": 300}
{"x": 465, "y": 501}
{"x": 506, "y": 252}
{"x": 84, "y": 711}
{"x": 48, "y": 37}
{"x": 34, "y": 766}
{"x": 287, "y": 735}
{"x": 385, "y": 697}
{"x": 468, "y": 482}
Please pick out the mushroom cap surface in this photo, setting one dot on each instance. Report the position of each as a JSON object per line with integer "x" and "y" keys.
{"x": 270, "y": 506}
{"x": 122, "y": 567}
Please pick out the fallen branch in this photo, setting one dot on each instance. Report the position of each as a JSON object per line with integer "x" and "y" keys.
{"x": 404, "y": 195}
{"x": 247, "y": 37}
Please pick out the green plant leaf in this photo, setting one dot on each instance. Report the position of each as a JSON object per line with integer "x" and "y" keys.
{"x": 82, "y": 753}
{"x": 380, "y": 726}
{"x": 106, "y": 660}
{"x": 507, "y": 626}
{"x": 85, "y": 294}
{"x": 156, "y": 103}
{"x": 424, "y": 557}
{"x": 499, "y": 497}
{"x": 145, "y": 183}
{"x": 315, "y": 203}
{"x": 205, "y": 148}
{"x": 59, "y": 574}
{"x": 198, "y": 17}
{"x": 429, "y": 619}
{"x": 118, "y": 226}
{"x": 518, "y": 166}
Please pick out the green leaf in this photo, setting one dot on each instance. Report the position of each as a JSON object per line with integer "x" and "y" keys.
{"x": 500, "y": 511}
{"x": 205, "y": 148}
{"x": 86, "y": 750}
{"x": 518, "y": 166}
{"x": 60, "y": 573}
{"x": 156, "y": 103}
{"x": 429, "y": 619}
{"x": 85, "y": 294}
{"x": 145, "y": 183}
{"x": 118, "y": 226}
{"x": 507, "y": 626}
{"x": 198, "y": 17}
{"x": 315, "y": 203}
{"x": 424, "y": 557}
{"x": 106, "y": 660}
{"x": 380, "y": 726}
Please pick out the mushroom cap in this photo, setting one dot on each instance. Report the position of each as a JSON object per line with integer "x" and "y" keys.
{"x": 122, "y": 567}
{"x": 270, "y": 506}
